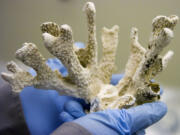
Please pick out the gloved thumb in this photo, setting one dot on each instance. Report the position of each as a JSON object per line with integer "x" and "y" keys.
{"x": 65, "y": 117}
{"x": 74, "y": 108}
{"x": 143, "y": 116}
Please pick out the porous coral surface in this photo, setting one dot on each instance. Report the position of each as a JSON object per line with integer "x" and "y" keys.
{"x": 89, "y": 79}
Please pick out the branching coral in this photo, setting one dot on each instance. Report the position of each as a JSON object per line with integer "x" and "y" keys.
{"x": 89, "y": 79}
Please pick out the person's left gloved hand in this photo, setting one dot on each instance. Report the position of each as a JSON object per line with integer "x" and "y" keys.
{"x": 42, "y": 107}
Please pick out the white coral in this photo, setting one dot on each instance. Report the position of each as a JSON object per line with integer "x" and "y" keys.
{"x": 89, "y": 79}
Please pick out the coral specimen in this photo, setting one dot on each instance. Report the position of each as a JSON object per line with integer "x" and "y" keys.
{"x": 89, "y": 79}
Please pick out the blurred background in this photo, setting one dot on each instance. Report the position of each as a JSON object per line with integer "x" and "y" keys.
{"x": 20, "y": 21}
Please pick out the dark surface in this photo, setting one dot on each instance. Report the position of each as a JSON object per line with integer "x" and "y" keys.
{"x": 70, "y": 128}
{"x": 11, "y": 116}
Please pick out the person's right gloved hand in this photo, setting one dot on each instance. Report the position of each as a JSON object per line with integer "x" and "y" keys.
{"x": 131, "y": 121}
{"x": 41, "y": 108}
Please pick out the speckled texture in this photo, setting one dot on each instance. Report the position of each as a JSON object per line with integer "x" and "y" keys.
{"x": 88, "y": 56}
{"x": 89, "y": 79}
{"x": 51, "y": 27}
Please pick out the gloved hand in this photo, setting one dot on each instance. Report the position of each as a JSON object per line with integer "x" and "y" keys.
{"x": 131, "y": 121}
{"x": 42, "y": 107}
{"x": 67, "y": 116}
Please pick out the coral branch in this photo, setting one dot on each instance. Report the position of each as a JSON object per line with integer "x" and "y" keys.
{"x": 107, "y": 63}
{"x": 46, "y": 78}
{"x": 30, "y": 56}
{"x": 51, "y": 28}
{"x": 161, "y": 22}
{"x": 137, "y": 52}
{"x": 166, "y": 58}
{"x": 160, "y": 38}
{"x": 88, "y": 56}
{"x": 92, "y": 43}
{"x": 18, "y": 78}
{"x": 63, "y": 49}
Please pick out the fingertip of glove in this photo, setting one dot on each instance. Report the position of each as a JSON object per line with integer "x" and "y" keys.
{"x": 72, "y": 105}
{"x": 115, "y": 78}
{"x": 142, "y": 116}
{"x": 161, "y": 90}
{"x": 79, "y": 44}
{"x": 161, "y": 107}
{"x": 157, "y": 108}
{"x": 65, "y": 117}
{"x": 155, "y": 111}
{"x": 74, "y": 108}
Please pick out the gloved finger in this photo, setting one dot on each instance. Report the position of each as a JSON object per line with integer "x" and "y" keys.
{"x": 79, "y": 44}
{"x": 56, "y": 64}
{"x": 142, "y": 116}
{"x": 161, "y": 90}
{"x": 59, "y": 101}
{"x": 74, "y": 108}
{"x": 141, "y": 132}
{"x": 65, "y": 117}
{"x": 115, "y": 78}
{"x": 32, "y": 72}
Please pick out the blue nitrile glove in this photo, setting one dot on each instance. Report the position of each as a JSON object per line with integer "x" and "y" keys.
{"x": 42, "y": 107}
{"x": 66, "y": 116}
{"x": 131, "y": 121}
